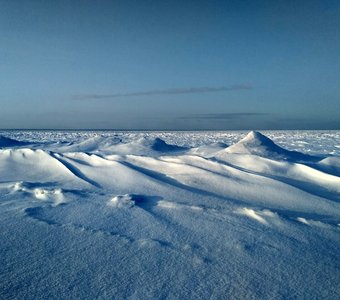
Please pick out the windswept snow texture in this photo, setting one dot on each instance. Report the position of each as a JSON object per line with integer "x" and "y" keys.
{"x": 170, "y": 215}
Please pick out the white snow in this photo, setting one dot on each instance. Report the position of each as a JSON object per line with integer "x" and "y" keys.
{"x": 178, "y": 215}
{"x": 121, "y": 201}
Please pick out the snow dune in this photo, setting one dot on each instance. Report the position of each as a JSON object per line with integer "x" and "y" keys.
{"x": 104, "y": 217}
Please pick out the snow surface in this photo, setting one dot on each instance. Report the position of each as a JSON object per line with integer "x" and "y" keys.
{"x": 178, "y": 215}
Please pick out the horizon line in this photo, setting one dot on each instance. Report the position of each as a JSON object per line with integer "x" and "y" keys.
{"x": 158, "y": 130}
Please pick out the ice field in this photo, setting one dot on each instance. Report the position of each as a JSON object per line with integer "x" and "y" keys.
{"x": 170, "y": 215}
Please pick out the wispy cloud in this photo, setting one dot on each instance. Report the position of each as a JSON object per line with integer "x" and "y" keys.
{"x": 176, "y": 91}
{"x": 223, "y": 116}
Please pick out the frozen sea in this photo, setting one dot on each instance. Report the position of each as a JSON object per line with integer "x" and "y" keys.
{"x": 169, "y": 215}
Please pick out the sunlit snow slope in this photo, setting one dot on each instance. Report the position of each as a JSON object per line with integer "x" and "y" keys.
{"x": 106, "y": 216}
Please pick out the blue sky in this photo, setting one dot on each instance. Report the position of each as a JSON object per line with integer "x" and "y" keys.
{"x": 170, "y": 64}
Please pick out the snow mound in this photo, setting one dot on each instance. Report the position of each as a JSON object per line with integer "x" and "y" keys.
{"x": 156, "y": 144}
{"x": 122, "y": 201}
{"x": 256, "y": 143}
{"x": 92, "y": 144}
{"x": 331, "y": 161}
{"x": 331, "y": 165}
{"x": 208, "y": 150}
{"x": 38, "y": 191}
{"x": 24, "y": 164}
{"x": 261, "y": 216}
{"x": 147, "y": 146}
{"x": 161, "y": 146}
{"x": 114, "y": 145}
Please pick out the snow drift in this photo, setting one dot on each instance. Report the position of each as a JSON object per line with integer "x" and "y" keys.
{"x": 138, "y": 217}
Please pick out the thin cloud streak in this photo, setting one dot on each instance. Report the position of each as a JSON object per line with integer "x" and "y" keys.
{"x": 176, "y": 91}
{"x": 222, "y": 116}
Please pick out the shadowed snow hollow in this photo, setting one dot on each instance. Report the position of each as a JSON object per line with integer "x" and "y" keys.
{"x": 8, "y": 143}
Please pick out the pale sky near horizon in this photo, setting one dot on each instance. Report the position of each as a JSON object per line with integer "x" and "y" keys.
{"x": 170, "y": 64}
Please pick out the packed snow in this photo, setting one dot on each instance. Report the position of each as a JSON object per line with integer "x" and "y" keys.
{"x": 170, "y": 215}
